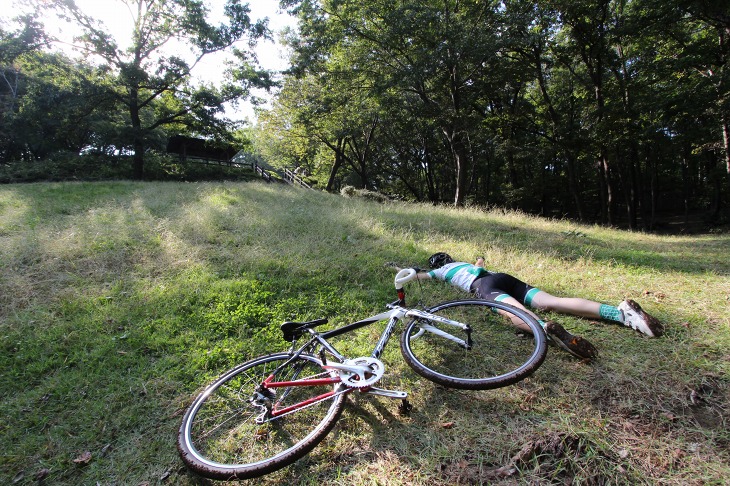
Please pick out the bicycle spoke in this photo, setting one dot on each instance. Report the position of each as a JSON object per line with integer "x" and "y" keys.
{"x": 498, "y": 355}
{"x": 222, "y": 430}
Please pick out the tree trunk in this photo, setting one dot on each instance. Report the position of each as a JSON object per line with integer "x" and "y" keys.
{"x": 459, "y": 157}
{"x": 726, "y": 146}
{"x": 138, "y": 141}
{"x": 458, "y": 149}
{"x": 609, "y": 188}
{"x": 686, "y": 182}
{"x": 336, "y": 165}
{"x": 630, "y": 182}
{"x": 428, "y": 171}
{"x": 573, "y": 186}
{"x": 138, "y": 161}
{"x": 602, "y": 167}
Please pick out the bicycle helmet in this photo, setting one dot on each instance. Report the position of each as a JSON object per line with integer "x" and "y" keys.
{"x": 439, "y": 259}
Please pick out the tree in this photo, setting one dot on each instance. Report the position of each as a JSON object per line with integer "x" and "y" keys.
{"x": 63, "y": 106}
{"x": 156, "y": 88}
{"x": 29, "y": 38}
{"x": 607, "y": 111}
{"x": 443, "y": 53}
{"x": 710, "y": 52}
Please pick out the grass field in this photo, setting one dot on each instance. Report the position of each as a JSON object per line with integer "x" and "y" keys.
{"x": 119, "y": 301}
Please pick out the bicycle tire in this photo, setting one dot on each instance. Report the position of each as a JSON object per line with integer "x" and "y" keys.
{"x": 220, "y": 439}
{"x": 497, "y": 358}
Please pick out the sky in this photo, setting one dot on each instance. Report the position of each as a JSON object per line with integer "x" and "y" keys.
{"x": 116, "y": 17}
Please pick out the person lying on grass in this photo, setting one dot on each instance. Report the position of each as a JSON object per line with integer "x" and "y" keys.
{"x": 502, "y": 287}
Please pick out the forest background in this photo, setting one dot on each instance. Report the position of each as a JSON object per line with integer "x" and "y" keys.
{"x": 614, "y": 112}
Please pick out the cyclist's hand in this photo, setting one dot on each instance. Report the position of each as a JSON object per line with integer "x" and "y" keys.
{"x": 398, "y": 267}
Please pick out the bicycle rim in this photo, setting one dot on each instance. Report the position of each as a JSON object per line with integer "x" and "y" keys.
{"x": 220, "y": 438}
{"x": 499, "y": 355}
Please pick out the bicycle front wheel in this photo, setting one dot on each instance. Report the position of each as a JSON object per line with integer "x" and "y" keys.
{"x": 490, "y": 355}
{"x": 228, "y": 431}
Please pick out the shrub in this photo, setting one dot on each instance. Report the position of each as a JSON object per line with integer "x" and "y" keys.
{"x": 65, "y": 166}
{"x": 349, "y": 191}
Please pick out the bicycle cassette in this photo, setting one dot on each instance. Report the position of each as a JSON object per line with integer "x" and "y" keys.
{"x": 363, "y": 372}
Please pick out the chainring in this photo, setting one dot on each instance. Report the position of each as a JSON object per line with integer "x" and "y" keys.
{"x": 375, "y": 372}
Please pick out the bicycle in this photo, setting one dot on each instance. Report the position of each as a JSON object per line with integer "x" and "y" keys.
{"x": 269, "y": 412}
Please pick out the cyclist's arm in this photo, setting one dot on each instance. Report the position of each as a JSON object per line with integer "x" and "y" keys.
{"x": 420, "y": 274}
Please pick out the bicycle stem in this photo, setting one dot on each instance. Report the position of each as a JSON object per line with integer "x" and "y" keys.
{"x": 403, "y": 276}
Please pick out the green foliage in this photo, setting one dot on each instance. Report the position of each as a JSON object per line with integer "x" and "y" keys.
{"x": 47, "y": 103}
{"x": 570, "y": 108}
{"x": 349, "y": 191}
{"x": 64, "y": 166}
{"x": 122, "y": 101}
{"x": 610, "y": 112}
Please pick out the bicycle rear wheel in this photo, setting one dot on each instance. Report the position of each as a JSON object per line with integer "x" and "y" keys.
{"x": 498, "y": 356}
{"x": 220, "y": 437}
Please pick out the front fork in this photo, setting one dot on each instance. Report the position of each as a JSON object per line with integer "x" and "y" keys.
{"x": 423, "y": 324}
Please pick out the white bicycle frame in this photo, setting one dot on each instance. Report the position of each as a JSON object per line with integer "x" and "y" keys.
{"x": 408, "y": 274}
{"x": 393, "y": 315}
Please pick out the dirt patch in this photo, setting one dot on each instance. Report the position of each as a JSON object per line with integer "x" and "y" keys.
{"x": 557, "y": 458}
{"x": 708, "y": 403}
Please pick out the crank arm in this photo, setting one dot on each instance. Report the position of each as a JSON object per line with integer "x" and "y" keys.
{"x": 386, "y": 393}
{"x": 357, "y": 370}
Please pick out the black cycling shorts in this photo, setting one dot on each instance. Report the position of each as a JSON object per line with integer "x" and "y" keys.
{"x": 498, "y": 286}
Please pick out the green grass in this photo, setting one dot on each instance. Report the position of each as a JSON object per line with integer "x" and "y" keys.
{"x": 120, "y": 300}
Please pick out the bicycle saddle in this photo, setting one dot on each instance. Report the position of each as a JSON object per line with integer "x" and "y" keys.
{"x": 292, "y": 330}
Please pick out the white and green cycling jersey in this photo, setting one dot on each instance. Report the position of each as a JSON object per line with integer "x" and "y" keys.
{"x": 459, "y": 274}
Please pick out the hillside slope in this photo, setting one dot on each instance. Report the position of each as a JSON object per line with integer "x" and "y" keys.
{"x": 118, "y": 301}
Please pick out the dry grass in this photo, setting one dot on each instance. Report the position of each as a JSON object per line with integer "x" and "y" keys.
{"x": 119, "y": 300}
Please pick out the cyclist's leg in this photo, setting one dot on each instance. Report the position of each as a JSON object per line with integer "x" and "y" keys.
{"x": 575, "y": 345}
{"x": 628, "y": 312}
{"x": 502, "y": 287}
{"x": 567, "y": 305}
{"x": 516, "y": 321}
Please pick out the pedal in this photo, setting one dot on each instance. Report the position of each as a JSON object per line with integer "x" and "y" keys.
{"x": 387, "y": 393}
{"x": 405, "y": 408}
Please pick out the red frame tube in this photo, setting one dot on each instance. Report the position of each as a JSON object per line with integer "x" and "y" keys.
{"x": 276, "y": 413}
{"x": 269, "y": 383}
{"x": 315, "y": 382}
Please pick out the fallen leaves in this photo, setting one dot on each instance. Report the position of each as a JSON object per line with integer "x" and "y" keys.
{"x": 527, "y": 402}
{"x": 657, "y": 296}
{"x": 84, "y": 458}
{"x": 669, "y": 416}
{"x": 42, "y": 474}
{"x": 38, "y": 477}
